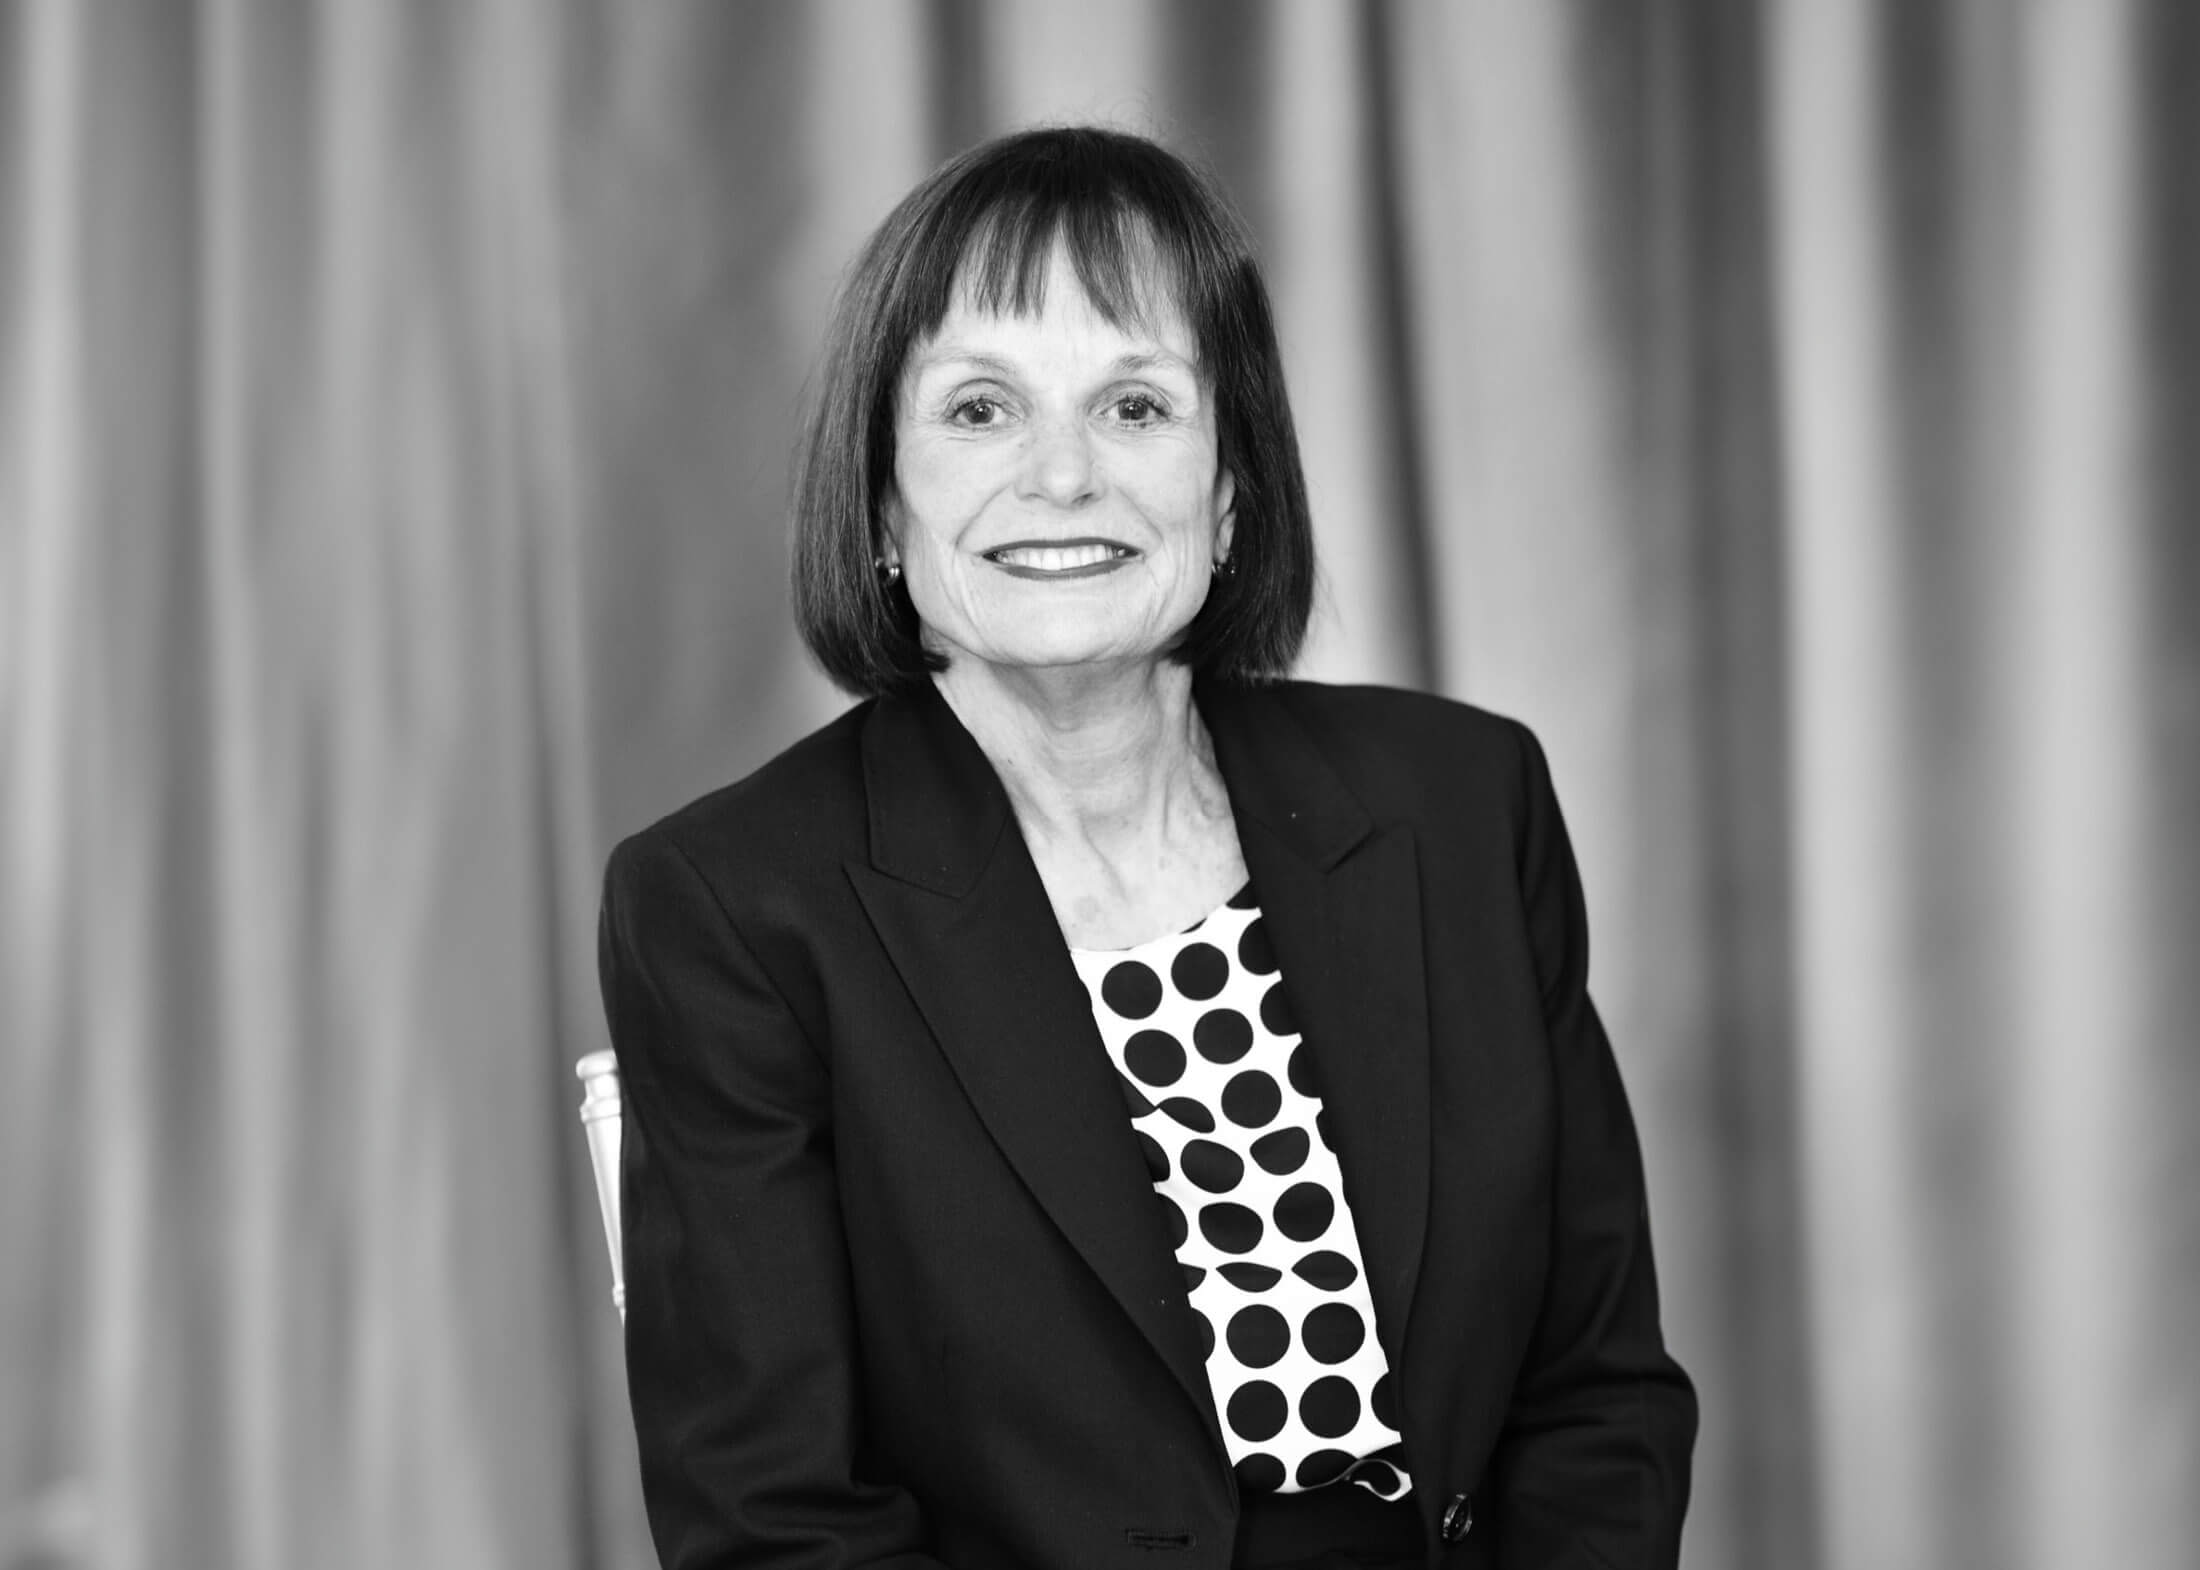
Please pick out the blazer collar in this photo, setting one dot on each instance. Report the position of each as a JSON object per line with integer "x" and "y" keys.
{"x": 1277, "y": 776}
{"x": 938, "y": 810}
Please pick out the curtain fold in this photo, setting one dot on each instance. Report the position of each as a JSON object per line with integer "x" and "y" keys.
{"x": 1982, "y": 963}
{"x": 1785, "y": 408}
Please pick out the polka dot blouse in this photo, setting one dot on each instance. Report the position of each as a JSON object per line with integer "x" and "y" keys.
{"x": 1226, "y": 1110}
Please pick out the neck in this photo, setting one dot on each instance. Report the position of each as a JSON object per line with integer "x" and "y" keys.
{"x": 1090, "y": 754}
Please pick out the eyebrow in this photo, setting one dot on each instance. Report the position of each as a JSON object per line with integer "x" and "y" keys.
{"x": 993, "y": 364}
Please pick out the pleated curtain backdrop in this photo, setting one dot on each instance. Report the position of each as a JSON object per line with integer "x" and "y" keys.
{"x": 1788, "y": 408}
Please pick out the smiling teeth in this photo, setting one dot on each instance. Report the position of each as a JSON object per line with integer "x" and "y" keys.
{"x": 1058, "y": 558}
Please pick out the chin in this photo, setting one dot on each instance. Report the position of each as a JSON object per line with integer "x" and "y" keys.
{"x": 1078, "y": 659}
{"x": 1066, "y": 654}
{"x": 1065, "y": 643}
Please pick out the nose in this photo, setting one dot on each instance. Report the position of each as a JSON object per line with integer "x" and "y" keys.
{"x": 1058, "y": 467}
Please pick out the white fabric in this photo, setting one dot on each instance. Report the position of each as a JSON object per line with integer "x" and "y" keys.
{"x": 1230, "y": 1120}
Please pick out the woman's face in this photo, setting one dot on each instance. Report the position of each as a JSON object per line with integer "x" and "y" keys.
{"x": 1057, "y": 499}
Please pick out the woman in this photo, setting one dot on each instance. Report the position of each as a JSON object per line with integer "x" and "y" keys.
{"x": 1097, "y": 1102}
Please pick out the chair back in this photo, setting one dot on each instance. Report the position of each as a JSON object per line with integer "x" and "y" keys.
{"x": 600, "y": 1113}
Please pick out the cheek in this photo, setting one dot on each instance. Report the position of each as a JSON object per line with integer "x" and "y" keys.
{"x": 1182, "y": 506}
{"x": 943, "y": 489}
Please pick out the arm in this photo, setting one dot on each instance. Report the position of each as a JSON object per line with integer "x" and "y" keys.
{"x": 1592, "y": 1469}
{"x": 740, "y": 1339}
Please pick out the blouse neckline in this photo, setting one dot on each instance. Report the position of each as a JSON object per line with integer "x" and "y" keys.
{"x": 1239, "y": 896}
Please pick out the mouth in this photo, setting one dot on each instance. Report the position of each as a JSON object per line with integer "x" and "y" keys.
{"x": 1056, "y": 559}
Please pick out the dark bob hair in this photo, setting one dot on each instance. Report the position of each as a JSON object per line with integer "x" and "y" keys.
{"x": 1132, "y": 217}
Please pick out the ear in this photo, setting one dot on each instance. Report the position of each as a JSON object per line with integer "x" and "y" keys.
{"x": 1225, "y": 513}
{"x": 886, "y": 537}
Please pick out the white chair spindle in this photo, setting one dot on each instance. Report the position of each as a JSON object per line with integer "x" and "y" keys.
{"x": 600, "y": 1113}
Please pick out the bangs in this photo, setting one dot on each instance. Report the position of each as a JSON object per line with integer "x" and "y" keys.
{"x": 1146, "y": 239}
{"x": 1128, "y": 275}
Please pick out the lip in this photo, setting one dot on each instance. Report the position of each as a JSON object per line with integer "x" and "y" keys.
{"x": 1089, "y": 557}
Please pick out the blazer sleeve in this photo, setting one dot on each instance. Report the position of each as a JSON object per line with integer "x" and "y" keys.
{"x": 1593, "y": 1466}
{"x": 740, "y": 1339}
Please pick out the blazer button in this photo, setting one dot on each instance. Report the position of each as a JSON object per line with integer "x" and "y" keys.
{"x": 1458, "y": 1518}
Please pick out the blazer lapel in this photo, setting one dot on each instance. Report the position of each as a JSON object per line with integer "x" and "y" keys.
{"x": 1341, "y": 897}
{"x": 959, "y": 906}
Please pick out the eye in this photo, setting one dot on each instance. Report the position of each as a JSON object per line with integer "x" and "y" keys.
{"x": 1139, "y": 409}
{"x": 977, "y": 411}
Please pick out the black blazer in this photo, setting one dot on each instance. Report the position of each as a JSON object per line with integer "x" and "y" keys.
{"x": 898, "y": 1289}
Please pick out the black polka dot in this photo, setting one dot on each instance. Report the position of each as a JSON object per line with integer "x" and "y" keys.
{"x": 1383, "y": 1402}
{"x": 1248, "y": 1277}
{"x": 1333, "y": 1332}
{"x": 1215, "y": 1168}
{"x": 1303, "y": 1212}
{"x": 1257, "y": 1411}
{"x": 1131, "y": 989}
{"x": 1301, "y": 1071}
{"x": 1283, "y": 1151}
{"x": 1379, "y": 1478}
{"x": 1330, "y": 1407}
{"x": 1323, "y": 1466}
{"x": 1173, "y": 1217}
{"x": 1327, "y": 1269}
{"x": 1275, "y": 1009}
{"x": 1193, "y": 1276}
{"x": 1255, "y": 952}
{"x": 1157, "y": 1159}
{"x": 1260, "y": 1473}
{"x": 1155, "y": 1056}
{"x": 1223, "y": 1035}
{"x": 1259, "y": 1335}
{"x": 1200, "y": 971}
{"x": 1321, "y": 1129}
{"x": 1206, "y": 1334}
{"x": 1231, "y": 1228}
{"x": 1190, "y": 1113}
{"x": 1251, "y": 1099}
{"x": 1135, "y": 1098}
{"x": 1243, "y": 899}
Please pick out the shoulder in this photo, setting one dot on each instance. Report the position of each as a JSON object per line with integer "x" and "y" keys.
{"x": 1392, "y": 716}
{"x": 798, "y": 815}
{"x": 1400, "y": 750}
